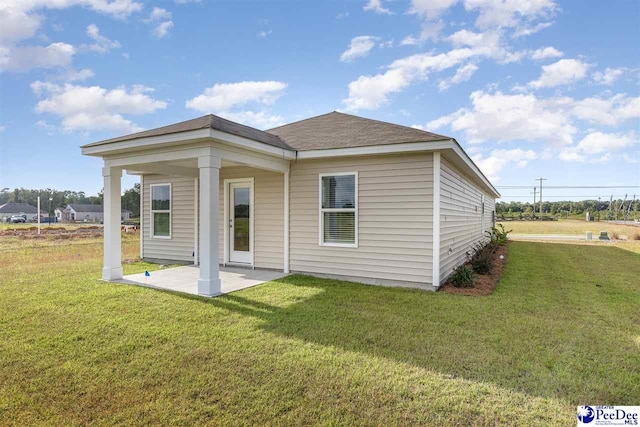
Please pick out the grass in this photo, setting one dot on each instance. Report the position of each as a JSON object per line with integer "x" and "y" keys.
{"x": 562, "y": 329}
{"x": 569, "y": 226}
{"x": 576, "y": 227}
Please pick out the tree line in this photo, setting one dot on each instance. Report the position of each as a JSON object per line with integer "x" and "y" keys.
{"x": 62, "y": 198}
{"x": 569, "y": 208}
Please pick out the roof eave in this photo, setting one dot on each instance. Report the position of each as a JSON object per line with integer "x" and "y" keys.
{"x": 179, "y": 138}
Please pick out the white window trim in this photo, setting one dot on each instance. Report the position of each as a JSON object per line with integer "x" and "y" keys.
{"x": 152, "y": 211}
{"x": 321, "y": 241}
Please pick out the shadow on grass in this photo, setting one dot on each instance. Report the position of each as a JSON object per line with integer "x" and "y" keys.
{"x": 539, "y": 333}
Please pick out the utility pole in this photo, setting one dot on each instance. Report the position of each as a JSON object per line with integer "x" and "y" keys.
{"x": 541, "y": 179}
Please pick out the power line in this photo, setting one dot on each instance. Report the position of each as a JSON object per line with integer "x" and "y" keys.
{"x": 568, "y": 186}
{"x": 619, "y": 196}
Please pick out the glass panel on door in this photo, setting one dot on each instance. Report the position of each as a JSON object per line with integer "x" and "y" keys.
{"x": 241, "y": 220}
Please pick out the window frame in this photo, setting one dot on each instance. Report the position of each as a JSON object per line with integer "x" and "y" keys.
{"x": 154, "y": 211}
{"x": 322, "y": 210}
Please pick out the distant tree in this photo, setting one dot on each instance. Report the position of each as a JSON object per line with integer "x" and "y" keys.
{"x": 131, "y": 200}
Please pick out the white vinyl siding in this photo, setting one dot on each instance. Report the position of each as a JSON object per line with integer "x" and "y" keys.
{"x": 394, "y": 218}
{"x": 180, "y": 246}
{"x": 461, "y": 224}
{"x": 268, "y": 209}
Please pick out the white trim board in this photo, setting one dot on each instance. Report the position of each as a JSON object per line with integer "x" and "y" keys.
{"x": 321, "y": 241}
{"x": 151, "y": 211}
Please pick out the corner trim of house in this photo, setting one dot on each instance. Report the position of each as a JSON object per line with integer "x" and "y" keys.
{"x": 286, "y": 223}
{"x": 436, "y": 219}
{"x": 141, "y": 232}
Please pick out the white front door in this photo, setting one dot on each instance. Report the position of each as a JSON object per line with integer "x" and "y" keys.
{"x": 240, "y": 222}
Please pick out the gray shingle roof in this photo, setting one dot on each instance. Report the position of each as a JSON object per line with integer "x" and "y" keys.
{"x": 339, "y": 130}
{"x": 78, "y": 207}
{"x": 14, "y": 208}
{"x": 331, "y": 130}
{"x": 209, "y": 121}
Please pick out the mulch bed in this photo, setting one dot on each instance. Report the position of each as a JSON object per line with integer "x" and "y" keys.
{"x": 483, "y": 284}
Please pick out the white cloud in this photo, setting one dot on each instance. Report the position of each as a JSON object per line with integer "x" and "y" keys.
{"x": 608, "y": 76}
{"x": 102, "y": 44}
{"x": 161, "y": 30}
{"x": 499, "y": 159}
{"x": 358, "y": 47}
{"x": 27, "y": 57}
{"x": 223, "y": 96}
{"x": 462, "y": 74}
{"x": 16, "y": 24}
{"x": 92, "y": 108}
{"x": 158, "y": 14}
{"x": 431, "y": 9}
{"x": 599, "y": 147}
{"x": 563, "y": 72}
{"x": 227, "y": 99}
{"x": 20, "y": 21}
{"x": 429, "y": 31}
{"x": 499, "y": 117}
{"x": 509, "y": 13}
{"x": 527, "y": 31}
{"x": 161, "y": 19}
{"x": 606, "y": 111}
{"x": 370, "y": 92}
{"x": 545, "y": 53}
{"x": 264, "y": 34}
{"x": 259, "y": 119}
{"x": 376, "y": 6}
{"x": 72, "y": 75}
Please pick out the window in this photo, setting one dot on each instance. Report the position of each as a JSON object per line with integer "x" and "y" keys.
{"x": 161, "y": 211}
{"x": 339, "y": 209}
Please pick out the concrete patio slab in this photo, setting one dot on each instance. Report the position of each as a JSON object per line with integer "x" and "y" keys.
{"x": 185, "y": 279}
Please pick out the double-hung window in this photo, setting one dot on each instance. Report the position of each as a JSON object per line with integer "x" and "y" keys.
{"x": 161, "y": 211}
{"x": 339, "y": 209}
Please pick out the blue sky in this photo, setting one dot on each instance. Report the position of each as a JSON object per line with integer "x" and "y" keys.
{"x": 529, "y": 88}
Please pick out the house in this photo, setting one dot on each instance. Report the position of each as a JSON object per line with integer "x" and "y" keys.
{"x": 334, "y": 196}
{"x": 23, "y": 209}
{"x": 86, "y": 212}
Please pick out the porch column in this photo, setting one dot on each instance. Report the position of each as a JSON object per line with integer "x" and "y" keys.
{"x": 209, "y": 282}
{"x": 112, "y": 268}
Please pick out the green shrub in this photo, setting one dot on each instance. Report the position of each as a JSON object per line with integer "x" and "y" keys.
{"x": 498, "y": 235}
{"x": 462, "y": 277}
{"x": 482, "y": 258}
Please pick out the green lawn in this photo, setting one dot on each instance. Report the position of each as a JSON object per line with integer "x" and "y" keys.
{"x": 562, "y": 329}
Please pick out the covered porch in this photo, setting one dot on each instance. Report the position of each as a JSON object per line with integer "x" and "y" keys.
{"x": 198, "y": 155}
{"x": 185, "y": 279}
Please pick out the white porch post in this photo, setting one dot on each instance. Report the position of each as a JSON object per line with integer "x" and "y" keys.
{"x": 112, "y": 269}
{"x": 209, "y": 282}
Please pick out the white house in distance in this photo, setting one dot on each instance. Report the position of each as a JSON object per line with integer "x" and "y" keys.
{"x": 76, "y": 212}
{"x": 23, "y": 209}
{"x": 334, "y": 196}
